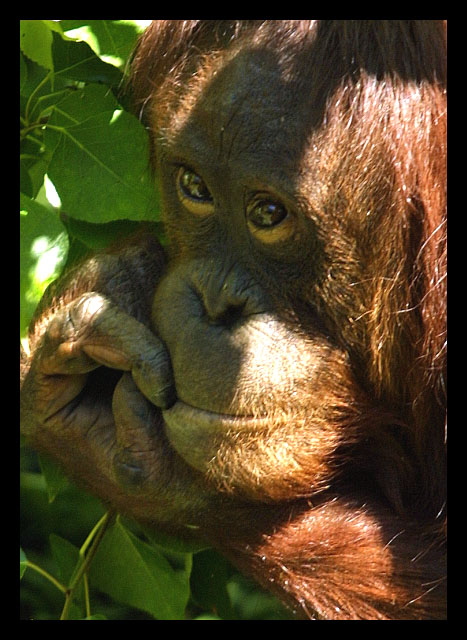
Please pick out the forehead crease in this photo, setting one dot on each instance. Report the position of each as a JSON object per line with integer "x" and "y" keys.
{"x": 244, "y": 107}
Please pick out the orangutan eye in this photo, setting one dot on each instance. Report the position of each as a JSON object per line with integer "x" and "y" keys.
{"x": 269, "y": 220}
{"x": 265, "y": 214}
{"x": 193, "y": 192}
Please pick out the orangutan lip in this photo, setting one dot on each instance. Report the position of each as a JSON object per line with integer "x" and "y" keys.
{"x": 210, "y": 420}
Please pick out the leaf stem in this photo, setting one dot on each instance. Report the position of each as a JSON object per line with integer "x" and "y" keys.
{"x": 37, "y": 125}
{"x": 93, "y": 532}
{"x": 95, "y": 536}
{"x": 28, "y": 104}
{"x": 47, "y": 575}
{"x": 86, "y": 595}
{"x": 47, "y": 96}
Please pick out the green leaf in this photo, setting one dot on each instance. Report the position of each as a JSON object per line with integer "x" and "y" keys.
{"x": 77, "y": 61}
{"x": 170, "y": 543}
{"x": 43, "y": 249}
{"x": 55, "y": 479}
{"x": 68, "y": 562}
{"x": 66, "y": 555}
{"x": 23, "y": 71}
{"x": 209, "y": 583}
{"x": 100, "y": 162}
{"x": 23, "y": 563}
{"x": 252, "y": 603}
{"x": 80, "y": 105}
{"x": 113, "y": 39}
{"x": 36, "y": 42}
{"x": 132, "y": 572}
{"x": 100, "y": 236}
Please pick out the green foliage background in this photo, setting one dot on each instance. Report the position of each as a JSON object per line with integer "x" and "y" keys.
{"x": 85, "y": 182}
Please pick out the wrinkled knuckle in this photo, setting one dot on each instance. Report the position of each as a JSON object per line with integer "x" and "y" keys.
{"x": 155, "y": 360}
{"x": 87, "y": 310}
{"x": 59, "y": 330}
{"x": 56, "y": 326}
{"x": 129, "y": 471}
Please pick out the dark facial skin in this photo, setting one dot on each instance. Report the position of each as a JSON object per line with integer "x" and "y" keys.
{"x": 270, "y": 355}
{"x": 228, "y": 272}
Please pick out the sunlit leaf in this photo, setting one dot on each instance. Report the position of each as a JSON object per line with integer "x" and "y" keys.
{"x": 36, "y": 42}
{"x": 112, "y": 40}
{"x": 43, "y": 251}
{"x": 76, "y": 60}
{"x": 100, "y": 163}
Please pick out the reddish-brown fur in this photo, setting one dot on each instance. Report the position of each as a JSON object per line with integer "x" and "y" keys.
{"x": 337, "y": 504}
{"x": 385, "y": 89}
